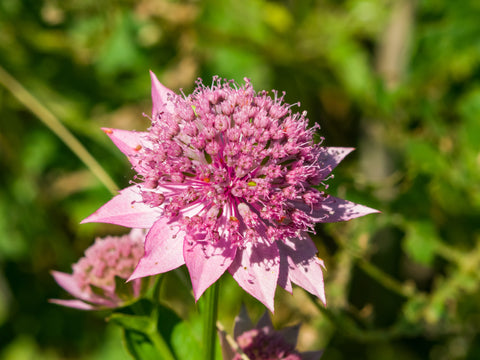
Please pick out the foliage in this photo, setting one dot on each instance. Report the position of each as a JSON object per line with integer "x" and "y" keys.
{"x": 397, "y": 80}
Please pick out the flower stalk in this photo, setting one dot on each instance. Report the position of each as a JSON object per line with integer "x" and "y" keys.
{"x": 210, "y": 302}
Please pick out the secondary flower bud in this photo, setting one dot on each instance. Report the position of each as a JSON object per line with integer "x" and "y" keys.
{"x": 263, "y": 342}
{"x": 99, "y": 278}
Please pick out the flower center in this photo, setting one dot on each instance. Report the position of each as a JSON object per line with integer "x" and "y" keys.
{"x": 227, "y": 160}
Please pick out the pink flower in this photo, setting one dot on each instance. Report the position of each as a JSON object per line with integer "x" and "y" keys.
{"x": 227, "y": 181}
{"x": 262, "y": 342}
{"x": 98, "y": 279}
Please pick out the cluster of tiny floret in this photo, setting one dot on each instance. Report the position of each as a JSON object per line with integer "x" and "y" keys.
{"x": 106, "y": 259}
{"x": 262, "y": 344}
{"x": 236, "y": 159}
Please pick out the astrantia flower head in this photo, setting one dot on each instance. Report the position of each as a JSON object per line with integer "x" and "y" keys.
{"x": 227, "y": 179}
{"x": 99, "y": 278}
{"x": 263, "y": 342}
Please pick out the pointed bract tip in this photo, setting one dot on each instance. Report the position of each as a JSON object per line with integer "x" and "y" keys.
{"x": 85, "y": 221}
{"x": 153, "y": 77}
{"x": 160, "y": 96}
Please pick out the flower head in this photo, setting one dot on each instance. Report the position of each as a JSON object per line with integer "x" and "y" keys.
{"x": 226, "y": 179}
{"x": 98, "y": 279}
{"x": 263, "y": 342}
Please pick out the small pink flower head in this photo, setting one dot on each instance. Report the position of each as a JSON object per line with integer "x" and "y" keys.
{"x": 263, "y": 342}
{"x": 99, "y": 278}
{"x": 227, "y": 180}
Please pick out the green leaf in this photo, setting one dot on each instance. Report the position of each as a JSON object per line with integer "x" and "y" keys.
{"x": 420, "y": 241}
{"x": 187, "y": 339}
{"x": 143, "y": 337}
{"x": 167, "y": 320}
{"x": 140, "y": 347}
{"x": 426, "y": 158}
{"x": 132, "y": 322}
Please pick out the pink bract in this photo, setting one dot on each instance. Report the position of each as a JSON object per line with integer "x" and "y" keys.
{"x": 227, "y": 179}
{"x": 99, "y": 278}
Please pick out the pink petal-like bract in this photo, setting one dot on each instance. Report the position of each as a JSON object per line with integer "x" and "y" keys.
{"x": 160, "y": 95}
{"x": 305, "y": 268}
{"x": 331, "y": 157}
{"x": 243, "y": 322}
{"x": 334, "y": 209}
{"x": 126, "y": 209}
{"x": 256, "y": 271}
{"x": 206, "y": 262}
{"x": 68, "y": 283}
{"x": 163, "y": 250}
{"x": 76, "y": 304}
{"x": 229, "y": 179}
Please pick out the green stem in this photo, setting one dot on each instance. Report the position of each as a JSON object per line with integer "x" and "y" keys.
{"x": 386, "y": 280}
{"x": 210, "y": 302}
{"x": 156, "y": 290}
{"x": 52, "y": 122}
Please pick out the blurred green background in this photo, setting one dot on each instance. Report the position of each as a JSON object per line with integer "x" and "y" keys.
{"x": 399, "y": 80}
